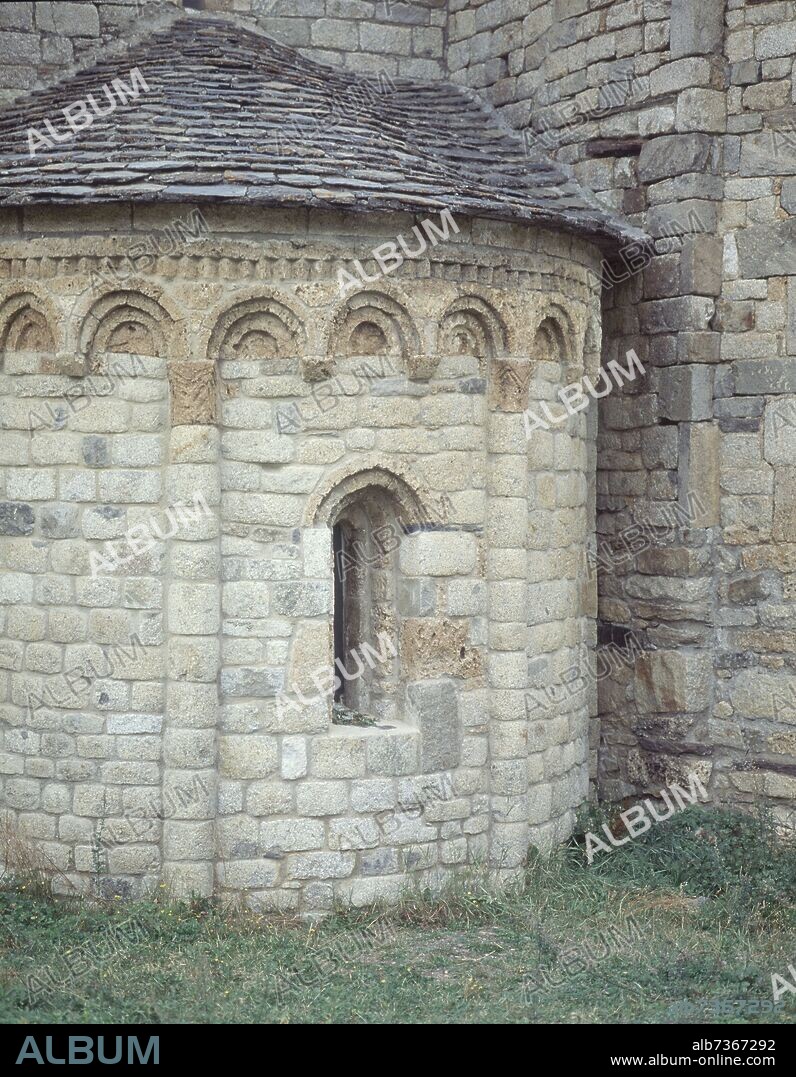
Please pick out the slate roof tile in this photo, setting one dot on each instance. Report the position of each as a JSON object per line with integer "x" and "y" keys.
{"x": 232, "y": 116}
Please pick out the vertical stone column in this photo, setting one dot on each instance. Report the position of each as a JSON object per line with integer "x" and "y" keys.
{"x": 659, "y": 503}
{"x": 193, "y": 606}
{"x": 588, "y": 568}
{"x": 506, "y": 570}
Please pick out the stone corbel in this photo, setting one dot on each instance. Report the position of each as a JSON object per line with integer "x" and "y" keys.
{"x": 68, "y": 363}
{"x": 193, "y": 393}
{"x": 508, "y": 385}
{"x": 316, "y": 368}
{"x": 421, "y": 367}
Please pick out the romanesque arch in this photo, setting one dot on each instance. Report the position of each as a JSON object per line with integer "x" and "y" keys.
{"x": 26, "y": 324}
{"x": 346, "y": 483}
{"x": 372, "y": 323}
{"x": 127, "y": 321}
{"x": 471, "y": 326}
{"x": 556, "y": 341}
{"x": 261, "y": 327}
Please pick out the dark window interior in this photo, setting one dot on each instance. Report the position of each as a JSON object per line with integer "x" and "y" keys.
{"x": 364, "y": 539}
{"x": 339, "y": 603}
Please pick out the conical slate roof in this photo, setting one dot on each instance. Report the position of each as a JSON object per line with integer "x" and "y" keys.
{"x": 231, "y": 116}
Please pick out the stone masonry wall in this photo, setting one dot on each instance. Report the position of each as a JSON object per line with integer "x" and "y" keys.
{"x": 400, "y": 38}
{"x": 156, "y": 719}
{"x": 41, "y": 42}
{"x": 681, "y": 115}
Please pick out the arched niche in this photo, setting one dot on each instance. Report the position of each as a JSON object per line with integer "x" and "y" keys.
{"x": 471, "y": 326}
{"x": 372, "y": 324}
{"x": 556, "y": 341}
{"x": 260, "y": 327}
{"x": 129, "y": 322}
{"x": 25, "y": 325}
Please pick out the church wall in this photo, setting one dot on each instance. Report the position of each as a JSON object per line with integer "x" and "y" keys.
{"x": 42, "y": 42}
{"x": 221, "y": 386}
{"x": 680, "y": 115}
{"x": 684, "y": 125}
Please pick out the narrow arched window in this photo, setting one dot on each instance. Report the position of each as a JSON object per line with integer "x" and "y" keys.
{"x": 365, "y": 535}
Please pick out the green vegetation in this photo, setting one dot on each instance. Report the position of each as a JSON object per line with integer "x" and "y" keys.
{"x": 698, "y": 909}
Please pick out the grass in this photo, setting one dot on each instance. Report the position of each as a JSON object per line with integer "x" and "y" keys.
{"x": 698, "y": 909}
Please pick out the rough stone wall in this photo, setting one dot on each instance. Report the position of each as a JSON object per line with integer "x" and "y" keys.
{"x": 681, "y": 115}
{"x": 41, "y": 42}
{"x": 754, "y": 408}
{"x": 401, "y": 38}
{"x": 144, "y": 737}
